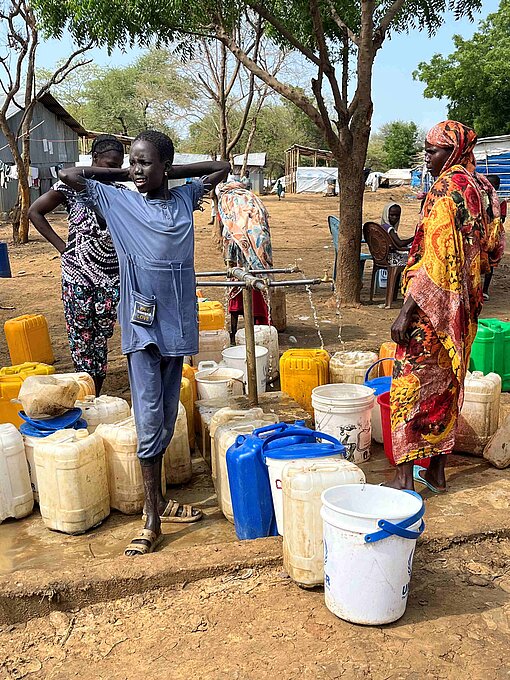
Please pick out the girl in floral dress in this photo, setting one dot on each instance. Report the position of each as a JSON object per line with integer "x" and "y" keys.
{"x": 90, "y": 269}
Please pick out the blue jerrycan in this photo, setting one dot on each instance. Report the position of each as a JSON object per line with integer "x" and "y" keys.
{"x": 304, "y": 435}
{"x": 5, "y": 265}
{"x": 251, "y": 495}
{"x": 250, "y": 490}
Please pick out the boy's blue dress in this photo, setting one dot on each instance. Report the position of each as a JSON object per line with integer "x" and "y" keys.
{"x": 154, "y": 241}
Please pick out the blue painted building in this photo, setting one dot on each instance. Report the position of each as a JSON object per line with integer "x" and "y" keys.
{"x": 493, "y": 158}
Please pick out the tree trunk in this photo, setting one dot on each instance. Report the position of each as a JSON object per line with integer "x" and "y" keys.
{"x": 222, "y": 105}
{"x": 247, "y": 148}
{"x": 351, "y": 191}
{"x": 24, "y": 201}
{"x": 23, "y": 186}
{"x": 348, "y": 281}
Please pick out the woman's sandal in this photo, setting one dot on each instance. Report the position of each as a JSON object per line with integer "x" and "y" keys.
{"x": 149, "y": 544}
{"x": 417, "y": 470}
{"x": 169, "y": 514}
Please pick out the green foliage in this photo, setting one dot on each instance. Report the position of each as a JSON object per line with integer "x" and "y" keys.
{"x": 475, "y": 77}
{"x": 117, "y": 23}
{"x": 395, "y": 145}
{"x": 279, "y": 126}
{"x": 400, "y": 143}
{"x": 376, "y": 157}
{"x": 128, "y": 99}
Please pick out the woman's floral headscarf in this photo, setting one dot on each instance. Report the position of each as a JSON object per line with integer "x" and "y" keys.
{"x": 451, "y": 134}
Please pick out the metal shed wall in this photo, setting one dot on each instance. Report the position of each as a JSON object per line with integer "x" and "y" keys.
{"x": 65, "y": 150}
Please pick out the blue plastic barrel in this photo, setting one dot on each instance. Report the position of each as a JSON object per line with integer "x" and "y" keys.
{"x": 248, "y": 476}
{"x": 5, "y": 265}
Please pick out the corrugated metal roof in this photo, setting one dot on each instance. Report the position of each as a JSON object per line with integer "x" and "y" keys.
{"x": 49, "y": 101}
{"x": 255, "y": 160}
{"x": 186, "y": 158}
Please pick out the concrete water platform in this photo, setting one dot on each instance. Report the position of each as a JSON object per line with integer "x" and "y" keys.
{"x": 43, "y": 570}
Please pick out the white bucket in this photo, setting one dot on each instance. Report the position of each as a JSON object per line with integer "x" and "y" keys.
{"x": 367, "y": 581}
{"x": 235, "y": 357}
{"x": 377, "y": 434}
{"x": 343, "y": 411}
{"x": 275, "y": 468}
{"x": 218, "y": 381}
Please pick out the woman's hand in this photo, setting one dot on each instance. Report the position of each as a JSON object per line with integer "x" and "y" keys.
{"x": 401, "y": 323}
{"x": 399, "y": 328}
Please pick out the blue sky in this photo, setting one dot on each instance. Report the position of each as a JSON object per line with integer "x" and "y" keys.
{"x": 396, "y": 95}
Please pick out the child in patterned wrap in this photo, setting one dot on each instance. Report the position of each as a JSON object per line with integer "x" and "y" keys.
{"x": 90, "y": 269}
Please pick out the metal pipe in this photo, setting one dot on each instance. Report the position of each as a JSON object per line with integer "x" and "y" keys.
{"x": 250, "y": 280}
{"x": 218, "y": 284}
{"x": 297, "y": 282}
{"x": 259, "y": 284}
{"x": 283, "y": 270}
{"x": 251, "y": 361}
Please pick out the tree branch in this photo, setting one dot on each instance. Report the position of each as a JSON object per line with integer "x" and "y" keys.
{"x": 366, "y": 52}
{"x": 291, "y": 93}
{"x": 326, "y": 65}
{"x": 329, "y": 133}
{"x": 380, "y": 31}
{"x": 67, "y": 67}
{"x": 281, "y": 28}
{"x": 251, "y": 90}
{"x": 341, "y": 24}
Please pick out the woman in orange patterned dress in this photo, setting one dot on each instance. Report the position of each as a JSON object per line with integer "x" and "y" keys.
{"x": 459, "y": 236}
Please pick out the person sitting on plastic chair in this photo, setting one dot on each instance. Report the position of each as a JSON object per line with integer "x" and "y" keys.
{"x": 390, "y": 222}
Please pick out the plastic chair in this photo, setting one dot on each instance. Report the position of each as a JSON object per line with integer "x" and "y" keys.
{"x": 334, "y": 225}
{"x": 379, "y": 243}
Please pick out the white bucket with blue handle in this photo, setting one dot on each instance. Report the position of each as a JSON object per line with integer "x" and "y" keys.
{"x": 370, "y": 535}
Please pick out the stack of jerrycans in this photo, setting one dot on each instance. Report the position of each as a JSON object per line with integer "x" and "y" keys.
{"x": 250, "y": 490}
{"x": 491, "y": 350}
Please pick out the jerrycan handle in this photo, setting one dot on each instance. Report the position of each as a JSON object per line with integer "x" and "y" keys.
{"x": 379, "y": 361}
{"x": 277, "y": 427}
{"x": 299, "y": 431}
{"x": 204, "y": 365}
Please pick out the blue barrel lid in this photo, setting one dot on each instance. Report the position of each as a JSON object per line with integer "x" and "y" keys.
{"x": 379, "y": 385}
{"x": 65, "y": 421}
{"x": 30, "y": 430}
{"x": 305, "y": 450}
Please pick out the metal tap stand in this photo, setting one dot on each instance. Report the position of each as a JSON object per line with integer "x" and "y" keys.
{"x": 258, "y": 280}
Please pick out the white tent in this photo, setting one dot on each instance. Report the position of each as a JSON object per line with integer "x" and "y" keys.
{"x": 396, "y": 177}
{"x": 314, "y": 180}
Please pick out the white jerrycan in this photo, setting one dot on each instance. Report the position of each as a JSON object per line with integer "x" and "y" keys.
{"x": 125, "y": 480}
{"x": 177, "y": 458}
{"x": 479, "y": 416}
{"x": 221, "y": 417}
{"x": 16, "y": 496}
{"x": 303, "y": 482}
{"x": 72, "y": 480}
{"x": 103, "y": 409}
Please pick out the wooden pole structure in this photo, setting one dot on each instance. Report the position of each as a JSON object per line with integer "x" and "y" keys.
{"x": 251, "y": 360}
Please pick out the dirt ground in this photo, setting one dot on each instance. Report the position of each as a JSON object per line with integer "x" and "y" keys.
{"x": 300, "y": 235}
{"x": 259, "y": 624}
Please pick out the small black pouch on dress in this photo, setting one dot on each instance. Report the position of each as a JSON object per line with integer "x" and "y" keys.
{"x": 144, "y": 309}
